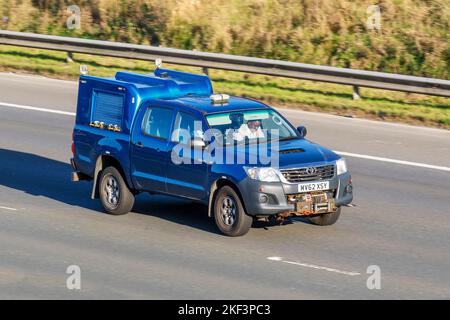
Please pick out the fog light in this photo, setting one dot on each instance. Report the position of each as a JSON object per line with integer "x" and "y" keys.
{"x": 349, "y": 188}
{"x": 263, "y": 198}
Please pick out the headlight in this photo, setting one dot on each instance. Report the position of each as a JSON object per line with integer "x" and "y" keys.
{"x": 341, "y": 167}
{"x": 263, "y": 174}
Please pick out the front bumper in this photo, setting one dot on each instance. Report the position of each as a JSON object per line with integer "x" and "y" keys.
{"x": 254, "y": 191}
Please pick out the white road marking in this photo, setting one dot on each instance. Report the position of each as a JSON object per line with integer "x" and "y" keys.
{"x": 344, "y": 153}
{"x": 313, "y": 266}
{"x": 402, "y": 162}
{"x": 7, "y": 208}
{"x": 18, "y": 106}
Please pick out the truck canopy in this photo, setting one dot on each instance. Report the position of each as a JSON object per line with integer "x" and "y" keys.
{"x": 114, "y": 101}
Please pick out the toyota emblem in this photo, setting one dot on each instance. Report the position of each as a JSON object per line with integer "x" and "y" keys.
{"x": 311, "y": 170}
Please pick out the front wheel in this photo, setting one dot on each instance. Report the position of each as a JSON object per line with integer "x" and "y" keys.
{"x": 326, "y": 219}
{"x": 115, "y": 196}
{"x": 229, "y": 213}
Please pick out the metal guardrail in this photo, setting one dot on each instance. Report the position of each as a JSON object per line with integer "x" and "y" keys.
{"x": 277, "y": 68}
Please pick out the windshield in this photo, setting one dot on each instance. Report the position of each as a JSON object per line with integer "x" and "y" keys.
{"x": 250, "y": 126}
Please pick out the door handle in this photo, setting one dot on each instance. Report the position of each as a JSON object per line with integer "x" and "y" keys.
{"x": 139, "y": 145}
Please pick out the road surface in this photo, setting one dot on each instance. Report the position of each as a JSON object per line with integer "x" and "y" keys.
{"x": 170, "y": 249}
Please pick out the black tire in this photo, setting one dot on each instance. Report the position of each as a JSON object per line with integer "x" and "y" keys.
{"x": 116, "y": 202}
{"x": 231, "y": 224}
{"x": 326, "y": 219}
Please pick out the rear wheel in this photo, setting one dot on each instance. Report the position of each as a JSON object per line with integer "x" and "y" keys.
{"x": 229, "y": 213}
{"x": 115, "y": 196}
{"x": 326, "y": 219}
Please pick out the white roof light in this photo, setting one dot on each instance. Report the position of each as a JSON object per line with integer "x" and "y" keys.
{"x": 219, "y": 98}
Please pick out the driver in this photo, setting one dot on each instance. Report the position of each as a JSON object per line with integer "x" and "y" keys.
{"x": 255, "y": 128}
{"x": 252, "y": 130}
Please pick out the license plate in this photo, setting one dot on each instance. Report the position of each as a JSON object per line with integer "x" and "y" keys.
{"x": 314, "y": 186}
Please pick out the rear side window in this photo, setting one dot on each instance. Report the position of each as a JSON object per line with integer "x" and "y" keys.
{"x": 108, "y": 108}
{"x": 157, "y": 122}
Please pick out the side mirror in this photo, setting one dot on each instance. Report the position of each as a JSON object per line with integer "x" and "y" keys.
{"x": 302, "y": 130}
{"x": 198, "y": 143}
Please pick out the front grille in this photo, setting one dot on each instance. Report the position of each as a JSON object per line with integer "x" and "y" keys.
{"x": 304, "y": 174}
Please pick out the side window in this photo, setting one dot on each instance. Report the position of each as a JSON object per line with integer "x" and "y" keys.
{"x": 108, "y": 108}
{"x": 184, "y": 121}
{"x": 157, "y": 122}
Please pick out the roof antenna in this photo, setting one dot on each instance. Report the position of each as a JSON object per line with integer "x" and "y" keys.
{"x": 83, "y": 69}
{"x": 158, "y": 63}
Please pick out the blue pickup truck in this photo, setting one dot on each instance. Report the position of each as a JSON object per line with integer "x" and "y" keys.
{"x": 162, "y": 133}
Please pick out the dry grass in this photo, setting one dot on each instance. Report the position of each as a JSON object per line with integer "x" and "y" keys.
{"x": 414, "y": 38}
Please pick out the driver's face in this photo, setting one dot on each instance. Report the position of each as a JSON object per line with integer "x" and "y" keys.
{"x": 254, "y": 125}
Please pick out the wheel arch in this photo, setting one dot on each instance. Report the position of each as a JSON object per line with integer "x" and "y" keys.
{"x": 104, "y": 161}
{"x": 216, "y": 185}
